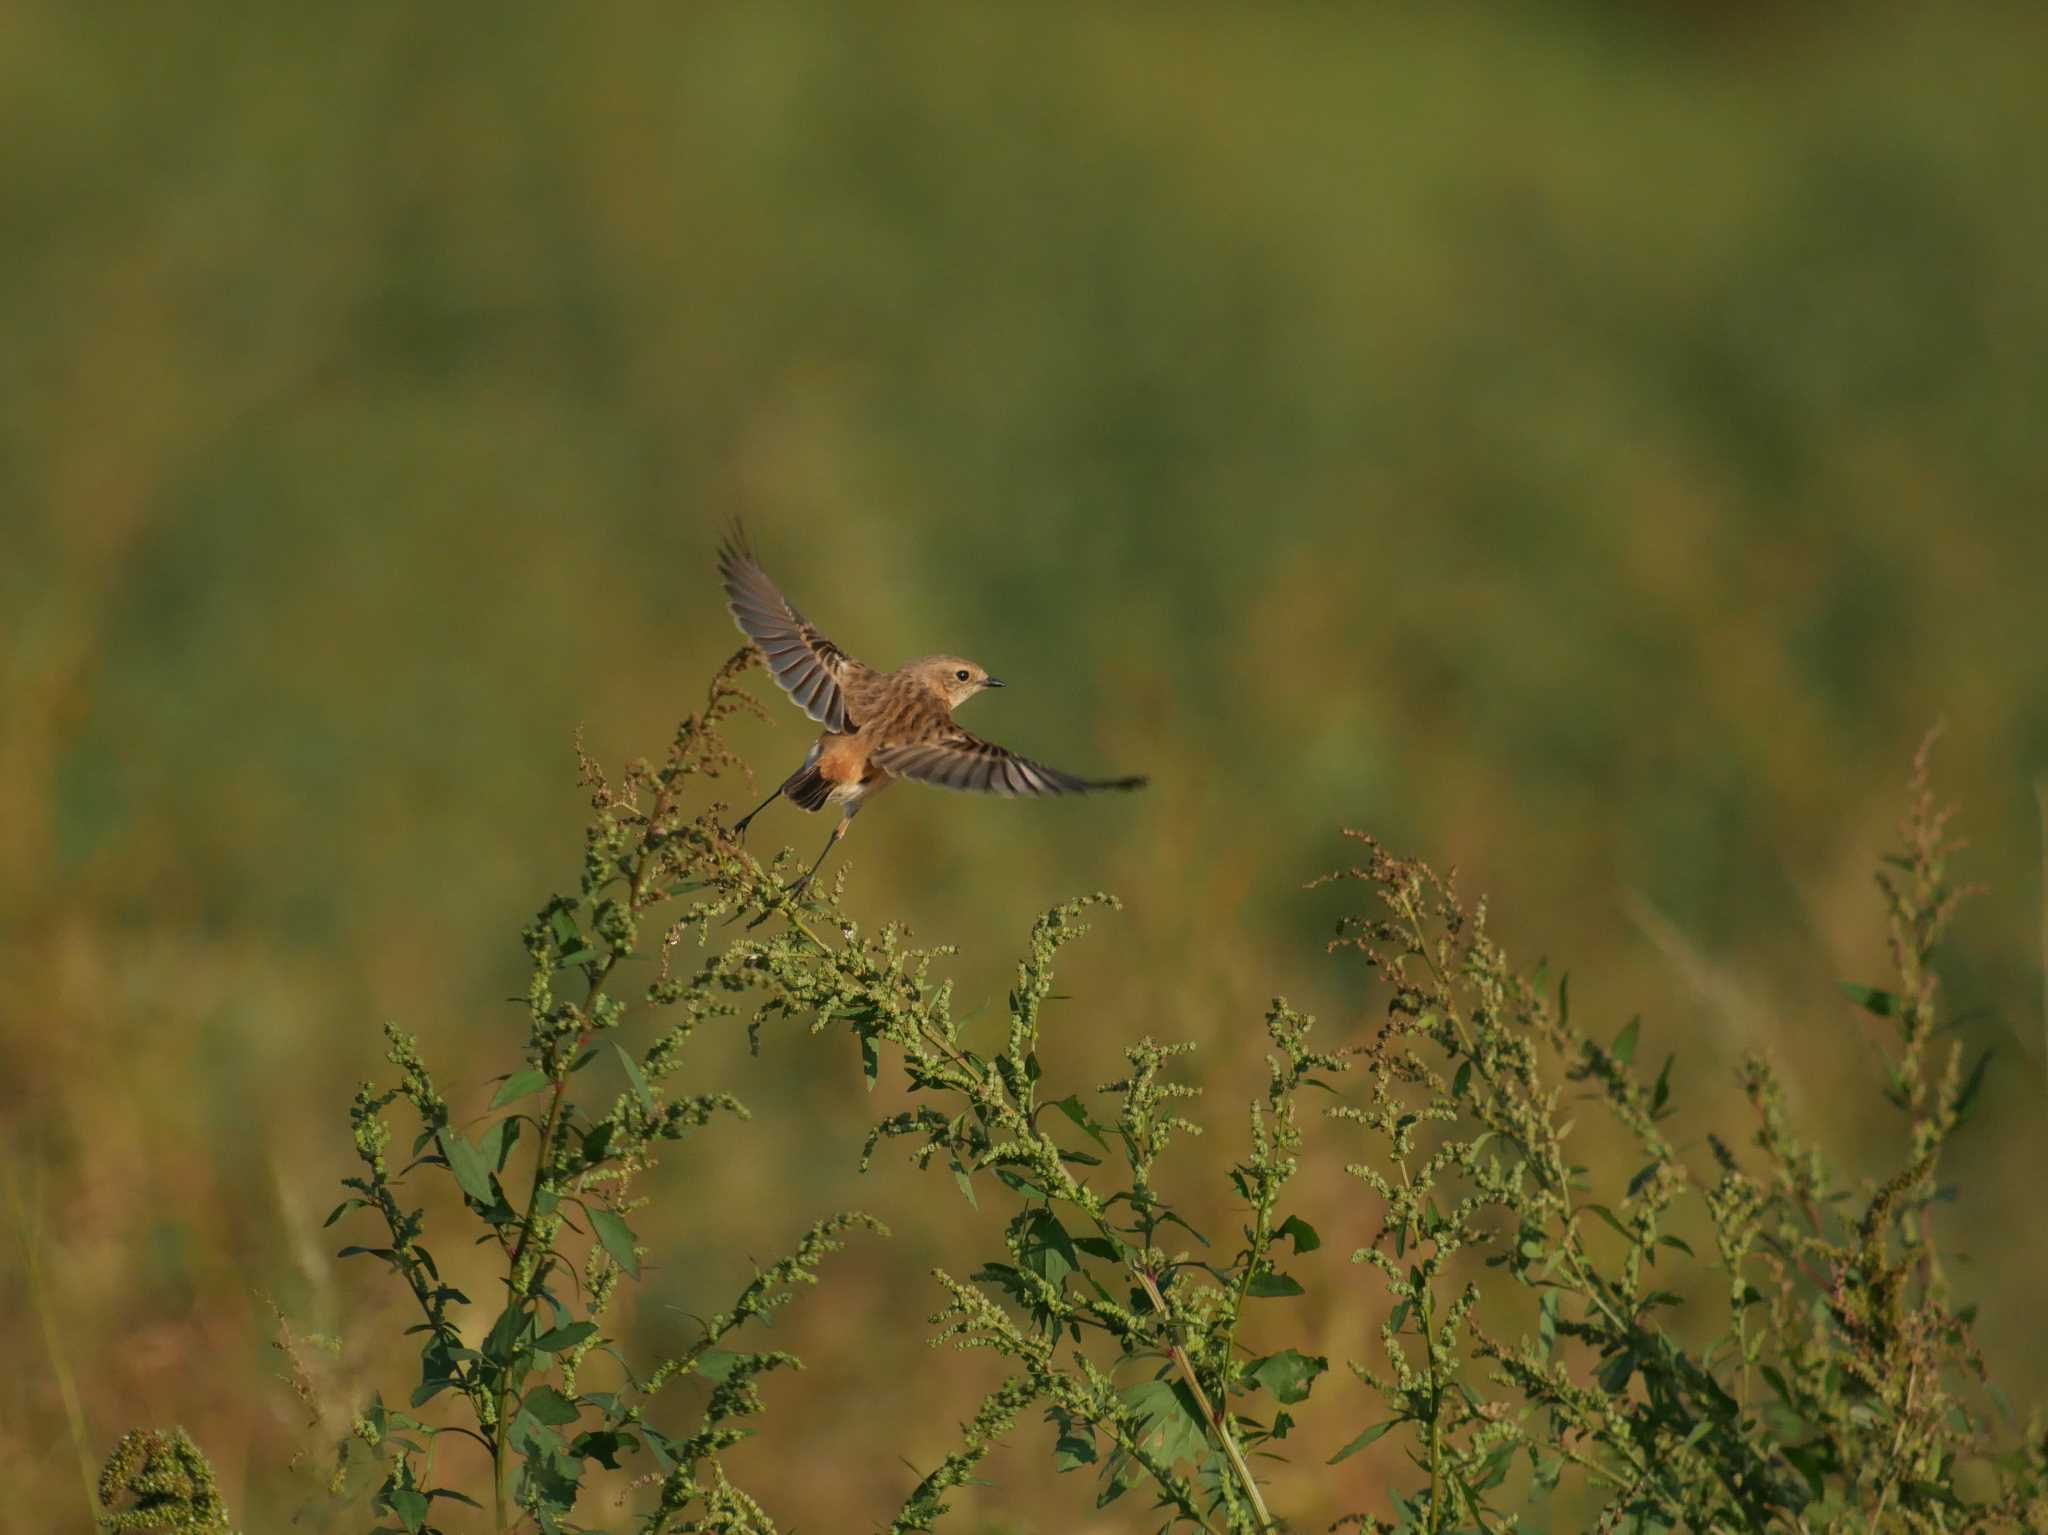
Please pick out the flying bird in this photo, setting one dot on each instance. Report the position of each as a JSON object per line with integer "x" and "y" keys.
{"x": 878, "y": 726}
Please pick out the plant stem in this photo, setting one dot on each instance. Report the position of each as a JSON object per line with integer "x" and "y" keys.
{"x": 636, "y": 897}
{"x": 1427, "y": 1315}
{"x": 1217, "y": 1420}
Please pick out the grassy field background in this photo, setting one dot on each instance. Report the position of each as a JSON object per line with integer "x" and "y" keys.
{"x": 1584, "y": 444}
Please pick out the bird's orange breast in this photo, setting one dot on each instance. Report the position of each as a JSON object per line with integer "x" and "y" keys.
{"x": 843, "y": 759}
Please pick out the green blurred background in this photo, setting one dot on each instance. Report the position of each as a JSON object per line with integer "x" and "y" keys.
{"x": 1586, "y": 444}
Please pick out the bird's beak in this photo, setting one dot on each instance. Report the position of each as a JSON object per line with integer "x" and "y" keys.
{"x": 993, "y": 682}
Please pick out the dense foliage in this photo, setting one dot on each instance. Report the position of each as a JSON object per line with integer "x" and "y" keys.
{"x": 1531, "y": 1336}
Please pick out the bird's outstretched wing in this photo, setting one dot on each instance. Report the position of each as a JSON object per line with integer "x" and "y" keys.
{"x": 806, "y": 665}
{"x": 954, "y": 759}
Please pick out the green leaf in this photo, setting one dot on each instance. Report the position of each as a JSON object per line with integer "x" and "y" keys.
{"x": 1303, "y": 1234}
{"x": 1614, "y": 1374}
{"x": 1072, "y": 1450}
{"x": 1072, "y": 1108}
{"x": 617, "y": 1238}
{"x": 549, "y": 1406}
{"x": 717, "y": 1363}
{"x": 1020, "y": 1183}
{"x": 1814, "y": 1461}
{"x": 1871, "y": 999}
{"x": 561, "y": 1339}
{"x": 343, "y": 1208}
{"x": 518, "y": 1085}
{"x": 1624, "y": 1047}
{"x": 1972, "y": 1085}
{"x": 1610, "y": 1217}
{"x": 1170, "y": 1423}
{"x": 410, "y": 1505}
{"x": 496, "y": 1143}
{"x": 1288, "y": 1374}
{"x": 501, "y": 1344}
{"x": 471, "y": 1171}
{"x": 1462, "y": 1080}
{"x": 1045, "y": 1248}
{"x": 641, "y": 1094}
{"x": 1661, "y": 1093}
{"x": 1362, "y": 1441}
{"x": 1273, "y": 1284}
{"x": 603, "y": 1445}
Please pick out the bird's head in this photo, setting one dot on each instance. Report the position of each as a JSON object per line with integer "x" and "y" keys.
{"x": 953, "y": 679}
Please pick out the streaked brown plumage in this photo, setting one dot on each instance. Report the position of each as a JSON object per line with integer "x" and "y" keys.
{"x": 879, "y": 726}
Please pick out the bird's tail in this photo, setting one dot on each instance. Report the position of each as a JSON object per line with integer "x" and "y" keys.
{"x": 808, "y": 787}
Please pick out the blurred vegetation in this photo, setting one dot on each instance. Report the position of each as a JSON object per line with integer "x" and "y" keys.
{"x": 1587, "y": 444}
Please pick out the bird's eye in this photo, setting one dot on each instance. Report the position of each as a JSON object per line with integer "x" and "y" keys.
{"x": 962, "y": 675}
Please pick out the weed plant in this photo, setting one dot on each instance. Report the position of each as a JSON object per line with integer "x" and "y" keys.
{"x": 1533, "y": 1341}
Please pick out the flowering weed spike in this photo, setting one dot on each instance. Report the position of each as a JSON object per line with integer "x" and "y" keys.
{"x": 1528, "y": 1287}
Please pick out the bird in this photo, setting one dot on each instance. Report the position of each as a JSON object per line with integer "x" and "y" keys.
{"x": 877, "y": 726}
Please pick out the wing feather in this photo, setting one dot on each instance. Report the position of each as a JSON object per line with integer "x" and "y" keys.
{"x": 805, "y": 665}
{"x": 957, "y": 759}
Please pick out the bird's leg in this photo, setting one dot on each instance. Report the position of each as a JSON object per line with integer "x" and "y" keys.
{"x": 739, "y": 827}
{"x": 845, "y": 820}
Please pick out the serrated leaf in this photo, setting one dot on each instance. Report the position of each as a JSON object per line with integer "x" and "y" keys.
{"x": 603, "y": 1445}
{"x": 1289, "y": 1374}
{"x": 1302, "y": 1233}
{"x": 1170, "y": 1421}
{"x": 1361, "y": 1441}
{"x": 1071, "y": 1451}
{"x": 549, "y": 1406}
{"x": 1046, "y": 1249}
{"x": 471, "y": 1171}
{"x": 617, "y": 1238}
